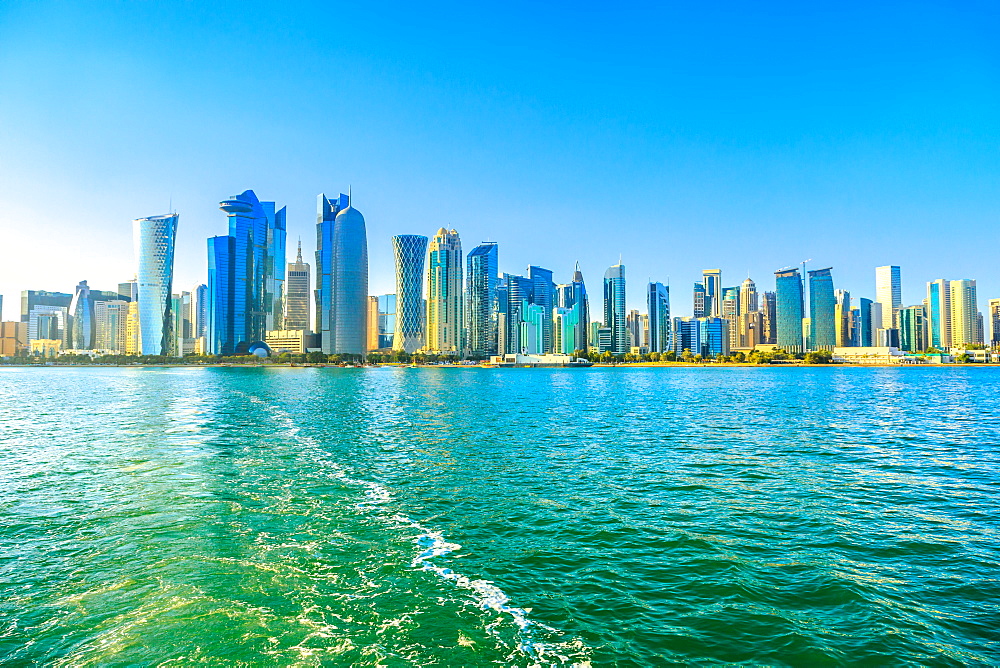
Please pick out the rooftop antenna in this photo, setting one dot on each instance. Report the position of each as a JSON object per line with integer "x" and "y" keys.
{"x": 170, "y": 206}
{"x": 350, "y": 198}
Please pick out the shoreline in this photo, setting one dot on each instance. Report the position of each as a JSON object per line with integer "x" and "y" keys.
{"x": 643, "y": 365}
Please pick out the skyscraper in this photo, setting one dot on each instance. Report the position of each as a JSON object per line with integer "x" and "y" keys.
{"x": 822, "y": 304}
{"x": 747, "y": 330}
{"x": 995, "y": 322}
{"x": 701, "y": 301}
{"x": 614, "y": 308}
{"x": 788, "y": 307}
{"x": 517, "y": 290}
{"x": 581, "y": 301}
{"x": 199, "y": 311}
{"x": 888, "y": 293}
{"x": 712, "y": 279}
{"x": 543, "y": 294}
{"x": 386, "y": 320}
{"x": 939, "y": 314}
{"x": 964, "y": 313}
{"x": 350, "y": 283}
{"x": 297, "y": 294}
{"x": 769, "y": 318}
{"x": 633, "y": 323}
{"x": 111, "y": 322}
{"x": 326, "y": 216}
{"x": 842, "y": 317}
{"x": 155, "y": 239}
{"x": 444, "y": 293}
{"x": 409, "y": 251}
{"x": 658, "y": 308}
{"x": 32, "y": 298}
{"x": 82, "y": 322}
{"x": 862, "y": 330}
{"x": 274, "y": 268}
{"x": 481, "y": 296}
{"x": 730, "y": 310}
{"x": 912, "y": 329}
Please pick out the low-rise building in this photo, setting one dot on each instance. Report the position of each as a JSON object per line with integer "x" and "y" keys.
{"x": 296, "y": 341}
{"x": 537, "y": 360}
{"x": 46, "y": 347}
{"x": 878, "y": 355}
{"x": 13, "y": 338}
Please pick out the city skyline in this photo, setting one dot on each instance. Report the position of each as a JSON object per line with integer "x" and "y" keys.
{"x": 862, "y": 137}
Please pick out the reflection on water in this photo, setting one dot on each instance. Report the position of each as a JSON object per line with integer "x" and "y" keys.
{"x": 471, "y": 516}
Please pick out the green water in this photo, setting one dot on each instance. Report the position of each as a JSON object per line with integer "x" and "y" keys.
{"x": 515, "y": 517}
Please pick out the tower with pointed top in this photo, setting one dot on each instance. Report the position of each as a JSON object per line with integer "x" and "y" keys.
{"x": 341, "y": 277}
{"x": 297, "y": 293}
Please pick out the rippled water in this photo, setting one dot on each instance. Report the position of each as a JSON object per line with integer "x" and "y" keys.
{"x": 471, "y": 516}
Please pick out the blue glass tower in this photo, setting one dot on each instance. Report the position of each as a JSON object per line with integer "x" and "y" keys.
{"x": 518, "y": 289}
{"x": 614, "y": 309}
{"x": 822, "y": 307}
{"x": 219, "y": 318}
{"x": 482, "y": 267}
{"x": 543, "y": 295}
{"x": 788, "y": 307}
{"x": 409, "y": 251}
{"x": 349, "y": 313}
{"x": 326, "y": 216}
{"x": 82, "y": 323}
{"x": 861, "y": 323}
{"x": 658, "y": 308}
{"x": 155, "y": 239}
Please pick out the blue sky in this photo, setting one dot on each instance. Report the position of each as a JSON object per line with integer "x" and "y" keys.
{"x": 744, "y": 136}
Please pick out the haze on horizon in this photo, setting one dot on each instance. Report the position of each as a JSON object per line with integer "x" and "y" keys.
{"x": 682, "y": 138}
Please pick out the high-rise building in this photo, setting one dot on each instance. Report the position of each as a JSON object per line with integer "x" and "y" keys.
{"x": 964, "y": 313}
{"x": 614, "y": 308}
{"x": 888, "y": 293}
{"x": 543, "y": 294}
{"x": 769, "y": 318}
{"x": 822, "y": 309}
{"x": 517, "y": 290}
{"x": 747, "y": 328}
{"x": 482, "y": 269}
{"x": 912, "y": 329}
{"x": 111, "y": 325}
{"x": 444, "y": 293}
{"x": 633, "y": 323}
{"x": 129, "y": 290}
{"x": 297, "y": 294}
{"x": 350, "y": 284}
{"x": 712, "y": 279}
{"x": 708, "y": 337}
{"x": 565, "y": 330}
{"x": 581, "y": 302}
{"x": 995, "y": 322}
{"x": 32, "y": 298}
{"x": 862, "y": 331}
{"x": 82, "y": 324}
{"x": 701, "y": 301}
{"x": 372, "y": 330}
{"x": 386, "y": 321}
{"x": 730, "y": 310}
{"x": 532, "y": 337}
{"x": 49, "y": 323}
{"x": 842, "y": 317}
{"x": 132, "y": 330}
{"x": 939, "y": 314}
{"x": 788, "y": 307}
{"x": 409, "y": 251}
{"x": 246, "y": 286}
{"x": 326, "y": 216}
{"x": 199, "y": 311}
{"x": 658, "y": 308}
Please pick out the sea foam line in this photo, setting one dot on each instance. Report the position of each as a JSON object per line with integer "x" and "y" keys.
{"x": 432, "y": 545}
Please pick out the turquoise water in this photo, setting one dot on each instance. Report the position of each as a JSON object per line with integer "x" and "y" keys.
{"x": 516, "y": 517}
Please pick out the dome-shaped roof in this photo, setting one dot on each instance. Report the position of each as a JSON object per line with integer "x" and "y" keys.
{"x": 350, "y": 214}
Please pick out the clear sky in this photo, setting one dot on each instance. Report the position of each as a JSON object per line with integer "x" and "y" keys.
{"x": 744, "y": 136}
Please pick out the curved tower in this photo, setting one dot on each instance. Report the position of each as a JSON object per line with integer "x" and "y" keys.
{"x": 83, "y": 325}
{"x": 154, "y": 240}
{"x": 409, "y": 251}
{"x": 350, "y": 284}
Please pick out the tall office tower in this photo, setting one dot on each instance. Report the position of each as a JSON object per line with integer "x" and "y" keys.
{"x": 133, "y": 344}
{"x": 565, "y": 329}
{"x": 274, "y": 268}
{"x": 82, "y": 325}
{"x": 386, "y": 320}
{"x": 482, "y": 269}
{"x": 939, "y": 314}
{"x": 658, "y": 308}
{"x": 730, "y": 310}
{"x": 769, "y": 318}
{"x": 444, "y": 293}
{"x": 129, "y": 290}
{"x": 50, "y": 323}
{"x": 712, "y": 279}
{"x": 995, "y": 322}
{"x": 348, "y": 316}
{"x": 409, "y": 251}
{"x": 748, "y": 296}
{"x": 199, "y": 311}
{"x": 842, "y": 317}
{"x": 888, "y": 293}
{"x": 912, "y": 329}
{"x": 614, "y": 308}
{"x": 501, "y": 310}
{"x": 822, "y": 309}
{"x": 633, "y": 323}
{"x": 326, "y": 216}
{"x": 372, "y": 331}
{"x": 297, "y": 294}
{"x": 532, "y": 330}
{"x": 702, "y": 304}
{"x": 246, "y": 288}
{"x": 183, "y": 324}
{"x": 111, "y": 325}
{"x": 964, "y": 314}
{"x": 543, "y": 294}
{"x": 747, "y": 330}
{"x": 581, "y": 302}
{"x": 788, "y": 308}
{"x": 862, "y": 333}
{"x": 32, "y": 298}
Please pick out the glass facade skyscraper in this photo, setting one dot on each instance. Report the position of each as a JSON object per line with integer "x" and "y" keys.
{"x": 409, "y": 251}
{"x": 219, "y": 332}
{"x": 82, "y": 321}
{"x": 888, "y": 293}
{"x": 822, "y": 308}
{"x": 517, "y": 290}
{"x": 912, "y": 329}
{"x": 326, "y": 216}
{"x": 444, "y": 293}
{"x": 155, "y": 239}
{"x": 939, "y": 313}
{"x": 788, "y": 307}
{"x": 32, "y": 298}
{"x": 614, "y": 308}
{"x": 482, "y": 268}
{"x": 350, "y": 284}
{"x": 543, "y": 294}
{"x": 658, "y": 305}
